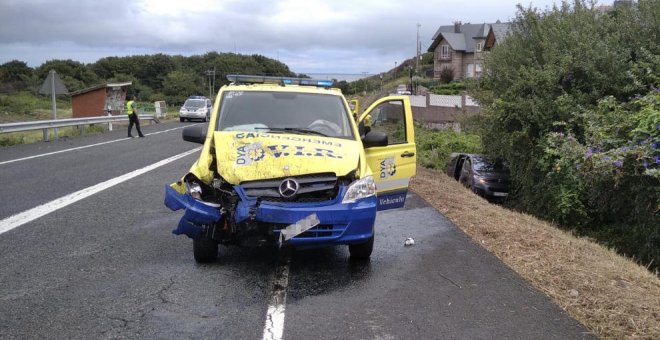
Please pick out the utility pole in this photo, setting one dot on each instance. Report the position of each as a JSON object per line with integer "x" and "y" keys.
{"x": 417, "y": 47}
{"x": 381, "y": 82}
{"x": 210, "y": 75}
{"x": 410, "y": 73}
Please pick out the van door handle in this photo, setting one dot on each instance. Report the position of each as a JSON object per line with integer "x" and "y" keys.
{"x": 407, "y": 154}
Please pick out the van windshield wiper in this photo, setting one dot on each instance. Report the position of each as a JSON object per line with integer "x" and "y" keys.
{"x": 303, "y": 131}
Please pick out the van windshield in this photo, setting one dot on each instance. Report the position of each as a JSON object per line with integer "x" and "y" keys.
{"x": 284, "y": 112}
{"x": 195, "y": 103}
{"x": 487, "y": 165}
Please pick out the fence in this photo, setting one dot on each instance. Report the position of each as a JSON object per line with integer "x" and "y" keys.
{"x": 443, "y": 111}
{"x": 57, "y": 123}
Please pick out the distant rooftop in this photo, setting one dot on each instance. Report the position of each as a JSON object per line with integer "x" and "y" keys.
{"x": 99, "y": 86}
{"x": 461, "y": 37}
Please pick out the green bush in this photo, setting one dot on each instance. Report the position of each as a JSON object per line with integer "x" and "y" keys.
{"x": 447, "y": 75}
{"x": 449, "y": 89}
{"x": 26, "y": 103}
{"x": 434, "y": 147}
{"x": 578, "y": 119}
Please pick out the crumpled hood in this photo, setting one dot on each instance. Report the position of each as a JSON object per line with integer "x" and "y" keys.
{"x": 248, "y": 156}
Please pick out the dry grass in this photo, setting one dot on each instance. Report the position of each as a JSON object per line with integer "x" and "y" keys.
{"x": 610, "y": 294}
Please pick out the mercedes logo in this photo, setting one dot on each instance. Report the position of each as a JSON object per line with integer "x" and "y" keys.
{"x": 289, "y": 188}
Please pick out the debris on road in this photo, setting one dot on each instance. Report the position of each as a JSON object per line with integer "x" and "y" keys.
{"x": 409, "y": 242}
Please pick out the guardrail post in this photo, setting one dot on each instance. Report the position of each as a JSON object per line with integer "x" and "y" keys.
{"x": 45, "y": 134}
{"x": 82, "y": 130}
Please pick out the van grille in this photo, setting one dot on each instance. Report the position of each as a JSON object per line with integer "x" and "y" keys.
{"x": 313, "y": 188}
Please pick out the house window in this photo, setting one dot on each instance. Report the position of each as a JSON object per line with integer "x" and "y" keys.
{"x": 444, "y": 51}
{"x": 469, "y": 71}
{"x": 477, "y": 68}
{"x": 480, "y": 47}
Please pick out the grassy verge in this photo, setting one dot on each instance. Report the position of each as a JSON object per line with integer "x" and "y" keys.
{"x": 27, "y": 137}
{"x": 611, "y": 295}
{"x": 25, "y": 106}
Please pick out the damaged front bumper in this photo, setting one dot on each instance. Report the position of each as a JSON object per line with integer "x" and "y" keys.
{"x": 334, "y": 223}
{"x": 337, "y": 223}
{"x": 197, "y": 215}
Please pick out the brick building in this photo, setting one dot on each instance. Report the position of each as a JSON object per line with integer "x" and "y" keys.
{"x": 98, "y": 100}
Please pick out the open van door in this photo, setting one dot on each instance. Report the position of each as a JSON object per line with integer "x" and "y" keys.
{"x": 393, "y": 163}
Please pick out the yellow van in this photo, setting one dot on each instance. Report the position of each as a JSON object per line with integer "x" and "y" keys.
{"x": 285, "y": 161}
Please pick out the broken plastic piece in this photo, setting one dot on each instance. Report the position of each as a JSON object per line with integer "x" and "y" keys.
{"x": 197, "y": 213}
{"x": 409, "y": 242}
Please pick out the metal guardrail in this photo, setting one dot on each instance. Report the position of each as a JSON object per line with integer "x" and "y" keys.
{"x": 57, "y": 123}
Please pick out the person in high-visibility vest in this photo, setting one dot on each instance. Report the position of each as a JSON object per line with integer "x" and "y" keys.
{"x": 367, "y": 123}
{"x": 131, "y": 111}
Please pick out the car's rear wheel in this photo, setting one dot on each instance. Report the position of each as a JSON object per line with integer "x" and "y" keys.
{"x": 205, "y": 250}
{"x": 182, "y": 120}
{"x": 361, "y": 251}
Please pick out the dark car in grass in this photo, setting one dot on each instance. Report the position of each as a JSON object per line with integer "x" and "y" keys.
{"x": 484, "y": 176}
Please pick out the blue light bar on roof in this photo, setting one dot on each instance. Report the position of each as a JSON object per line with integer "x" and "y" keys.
{"x": 249, "y": 79}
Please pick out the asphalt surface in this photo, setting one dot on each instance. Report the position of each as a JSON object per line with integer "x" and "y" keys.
{"x": 107, "y": 266}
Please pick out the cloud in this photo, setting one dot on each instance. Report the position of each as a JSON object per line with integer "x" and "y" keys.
{"x": 309, "y": 35}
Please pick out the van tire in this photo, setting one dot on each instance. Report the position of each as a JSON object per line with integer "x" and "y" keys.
{"x": 182, "y": 120}
{"x": 205, "y": 250}
{"x": 361, "y": 251}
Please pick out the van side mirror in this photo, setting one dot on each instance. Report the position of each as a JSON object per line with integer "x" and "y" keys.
{"x": 374, "y": 138}
{"x": 195, "y": 133}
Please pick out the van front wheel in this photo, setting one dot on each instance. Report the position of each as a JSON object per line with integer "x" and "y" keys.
{"x": 205, "y": 250}
{"x": 361, "y": 251}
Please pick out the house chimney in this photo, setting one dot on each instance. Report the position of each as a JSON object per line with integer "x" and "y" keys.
{"x": 457, "y": 27}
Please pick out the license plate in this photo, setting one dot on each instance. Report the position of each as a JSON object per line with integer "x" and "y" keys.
{"x": 500, "y": 194}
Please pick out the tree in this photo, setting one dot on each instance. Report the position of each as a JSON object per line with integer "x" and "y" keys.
{"x": 153, "y": 76}
{"x": 153, "y": 70}
{"x": 446, "y": 75}
{"x": 178, "y": 85}
{"x": 562, "y": 102}
{"x": 344, "y": 86}
{"x": 74, "y": 75}
{"x": 14, "y": 76}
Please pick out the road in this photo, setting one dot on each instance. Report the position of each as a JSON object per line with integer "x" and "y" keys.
{"x": 102, "y": 263}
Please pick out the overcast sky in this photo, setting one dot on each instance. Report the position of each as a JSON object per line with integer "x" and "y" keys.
{"x": 310, "y": 36}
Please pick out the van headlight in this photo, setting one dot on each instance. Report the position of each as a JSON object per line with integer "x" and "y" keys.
{"x": 362, "y": 188}
{"x": 194, "y": 189}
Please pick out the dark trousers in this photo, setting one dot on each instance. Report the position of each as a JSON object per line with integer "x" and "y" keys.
{"x": 133, "y": 119}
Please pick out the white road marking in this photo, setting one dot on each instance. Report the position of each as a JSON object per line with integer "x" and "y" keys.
{"x": 274, "y": 328}
{"x": 84, "y": 147}
{"x": 17, "y": 220}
